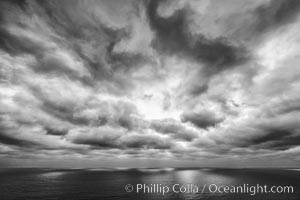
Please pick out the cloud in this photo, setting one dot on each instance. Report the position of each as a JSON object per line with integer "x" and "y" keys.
{"x": 202, "y": 119}
{"x": 15, "y": 141}
{"x": 148, "y": 141}
{"x": 108, "y": 137}
{"x": 203, "y": 81}
{"x": 174, "y": 128}
{"x": 173, "y": 37}
{"x": 276, "y": 13}
{"x": 103, "y": 137}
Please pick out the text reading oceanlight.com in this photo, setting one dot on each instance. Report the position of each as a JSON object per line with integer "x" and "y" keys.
{"x": 208, "y": 188}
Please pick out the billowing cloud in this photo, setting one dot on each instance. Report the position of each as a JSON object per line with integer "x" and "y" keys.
{"x": 187, "y": 81}
{"x": 174, "y": 37}
{"x": 202, "y": 119}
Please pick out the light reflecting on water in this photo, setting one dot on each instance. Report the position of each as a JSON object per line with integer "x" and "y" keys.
{"x": 188, "y": 184}
{"x": 45, "y": 184}
{"x": 188, "y": 176}
{"x": 52, "y": 175}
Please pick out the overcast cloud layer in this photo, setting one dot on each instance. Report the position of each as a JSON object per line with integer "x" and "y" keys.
{"x": 170, "y": 83}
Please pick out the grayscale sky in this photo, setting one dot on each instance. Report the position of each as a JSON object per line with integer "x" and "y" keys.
{"x": 133, "y": 83}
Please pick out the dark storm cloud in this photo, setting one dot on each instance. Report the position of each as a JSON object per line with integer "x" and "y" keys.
{"x": 128, "y": 122}
{"x": 174, "y": 128}
{"x": 55, "y": 131}
{"x": 291, "y": 105}
{"x": 102, "y": 144}
{"x": 173, "y": 37}
{"x": 258, "y": 23}
{"x": 146, "y": 141}
{"x": 5, "y": 139}
{"x": 198, "y": 89}
{"x": 274, "y": 137}
{"x": 276, "y": 133}
{"x": 271, "y": 136}
{"x": 276, "y": 13}
{"x": 9, "y": 136}
{"x": 201, "y": 119}
{"x": 124, "y": 60}
{"x": 286, "y": 143}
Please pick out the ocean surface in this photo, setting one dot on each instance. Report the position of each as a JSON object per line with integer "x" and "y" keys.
{"x": 101, "y": 184}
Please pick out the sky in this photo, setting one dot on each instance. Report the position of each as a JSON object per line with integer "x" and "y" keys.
{"x": 150, "y": 83}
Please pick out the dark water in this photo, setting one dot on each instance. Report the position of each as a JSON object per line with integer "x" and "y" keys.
{"x": 46, "y": 184}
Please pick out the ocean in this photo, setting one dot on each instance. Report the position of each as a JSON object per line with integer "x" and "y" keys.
{"x": 149, "y": 184}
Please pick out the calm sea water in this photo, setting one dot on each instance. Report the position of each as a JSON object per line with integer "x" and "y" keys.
{"x": 50, "y": 184}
